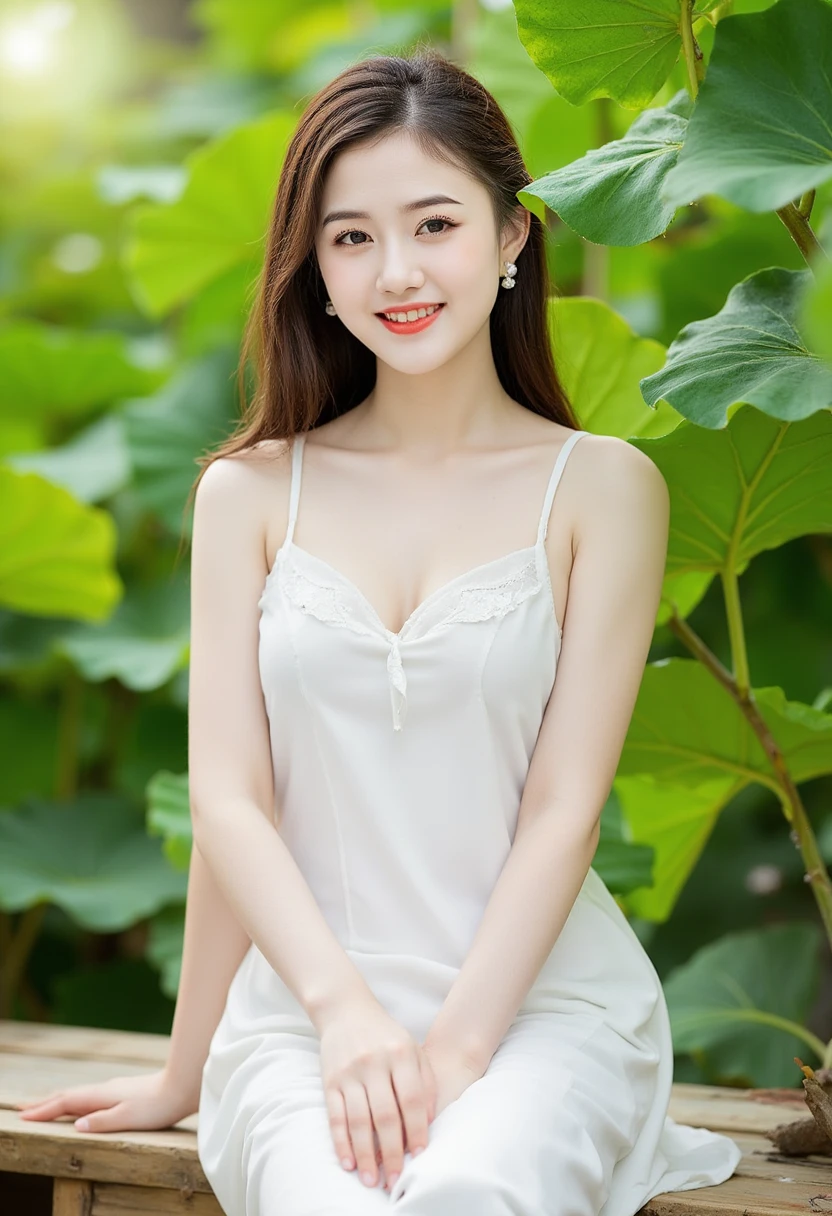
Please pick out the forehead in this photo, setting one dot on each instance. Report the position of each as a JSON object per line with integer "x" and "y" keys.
{"x": 392, "y": 172}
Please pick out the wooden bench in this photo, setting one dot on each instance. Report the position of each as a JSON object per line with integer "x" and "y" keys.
{"x": 51, "y": 1168}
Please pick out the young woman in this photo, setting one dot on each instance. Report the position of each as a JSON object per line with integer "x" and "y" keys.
{"x": 403, "y": 983}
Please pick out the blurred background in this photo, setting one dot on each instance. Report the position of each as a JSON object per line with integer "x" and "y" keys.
{"x": 140, "y": 146}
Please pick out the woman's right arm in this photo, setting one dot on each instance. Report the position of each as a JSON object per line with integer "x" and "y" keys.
{"x": 230, "y": 774}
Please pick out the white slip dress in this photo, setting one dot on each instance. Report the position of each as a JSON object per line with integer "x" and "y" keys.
{"x": 399, "y": 764}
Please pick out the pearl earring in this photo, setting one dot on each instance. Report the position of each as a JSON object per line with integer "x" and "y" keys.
{"x": 511, "y": 271}
{"x": 330, "y": 308}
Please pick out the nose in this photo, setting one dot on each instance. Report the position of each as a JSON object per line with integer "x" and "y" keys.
{"x": 399, "y": 268}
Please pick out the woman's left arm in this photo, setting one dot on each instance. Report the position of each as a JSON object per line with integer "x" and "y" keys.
{"x": 620, "y": 505}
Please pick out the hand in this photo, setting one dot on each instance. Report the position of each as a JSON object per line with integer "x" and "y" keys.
{"x": 139, "y": 1103}
{"x": 377, "y": 1080}
{"x": 453, "y": 1071}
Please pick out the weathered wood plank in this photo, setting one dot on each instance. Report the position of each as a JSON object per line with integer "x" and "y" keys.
{"x": 71, "y": 1198}
{"x": 83, "y": 1042}
{"x": 765, "y": 1184}
{"x": 158, "y": 1158}
{"x": 112, "y": 1200}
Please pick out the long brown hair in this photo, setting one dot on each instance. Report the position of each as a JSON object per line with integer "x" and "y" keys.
{"x": 307, "y": 368}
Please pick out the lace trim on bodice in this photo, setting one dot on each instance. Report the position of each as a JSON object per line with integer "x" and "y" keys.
{"x": 323, "y": 600}
{"x": 495, "y": 598}
{"x": 328, "y": 601}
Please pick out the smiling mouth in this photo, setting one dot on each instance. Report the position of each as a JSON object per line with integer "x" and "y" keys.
{"x": 401, "y": 316}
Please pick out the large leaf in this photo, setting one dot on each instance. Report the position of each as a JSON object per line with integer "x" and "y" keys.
{"x": 169, "y": 815}
{"x": 165, "y": 943}
{"x": 738, "y": 491}
{"x": 611, "y": 195}
{"x": 622, "y": 49}
{"x": 600, "y": 362}
{"x": 92, "y": 857}
{"x": 56, "y": 554}
{"x": 623, "y": 865}
{"x": 92, "y": 465}
{"x": 743, "y": 1001}
{"x": 165, "y": 433}
{"x": 45, "y": 370}
{"x": 750, "y": 351}
{"x": 29, "y": 732}
{"x": 688, "y": 730}
{"x": 761, "y": 133}
{"x": 678, "y": 821}
{"x": 219, "y": 222}
{"x": 499, "y": 61}
{"x": 144, "y": 642}
{"x": 816, "y": 311}
{"x": 707, "y": 260}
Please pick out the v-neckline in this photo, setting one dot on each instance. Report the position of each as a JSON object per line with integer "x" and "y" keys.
{"x": 530, "y": 551}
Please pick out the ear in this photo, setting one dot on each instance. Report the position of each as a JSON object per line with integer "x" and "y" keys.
{"x": 515, "y": 233}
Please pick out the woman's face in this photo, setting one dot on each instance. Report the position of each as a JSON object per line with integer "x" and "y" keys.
{"x": 397, "y": 256}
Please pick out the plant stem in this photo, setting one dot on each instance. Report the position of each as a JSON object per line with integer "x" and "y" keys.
{"x": 736, "y": 630}
{"x": 800, "y": 231}
{"x": 806, "y": 203}
{"x": 802, "y": 833}
{"x": 14, "y": 962}
{"x": 693, "y": 56}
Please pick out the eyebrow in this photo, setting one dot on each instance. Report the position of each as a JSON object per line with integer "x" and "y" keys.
{"x": 418, "y": 204}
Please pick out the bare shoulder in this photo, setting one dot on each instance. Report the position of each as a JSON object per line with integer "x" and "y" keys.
{"x": 614, "y": 475}
{"x": 238, "y": 495}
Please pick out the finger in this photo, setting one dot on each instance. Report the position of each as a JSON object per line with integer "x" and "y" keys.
{"x": 360, "y": 1129}
{"x": 413, "y": 1103}
{"x": 112, "y": 1119}
{"x": 387, "y": 1120}
{"x": 55, "y": 1105}
{"x": 338, "y": 1125}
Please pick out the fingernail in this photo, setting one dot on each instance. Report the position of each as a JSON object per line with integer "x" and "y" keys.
{"x": 83, "y": 1125}
{"x": 367, "y": 1179}
{"x": 420, "y": 1148}
{"x": 392, "y": 1180}
{"x": 347, "y": 1164}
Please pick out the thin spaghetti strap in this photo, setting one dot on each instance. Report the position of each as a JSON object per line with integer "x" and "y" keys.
{"x": 294, "y": 491}
{"x": 560, "y": 463}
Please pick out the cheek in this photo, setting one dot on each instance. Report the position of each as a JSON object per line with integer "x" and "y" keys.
{"x": 463, "y": 265}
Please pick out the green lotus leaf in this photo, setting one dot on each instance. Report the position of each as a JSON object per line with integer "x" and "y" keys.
{"x": 687, "y": 730}
{"x": 191, "y": 414}
{"x": 45, "y": 370}
{"x": 622, "y": 49}
{"x": 92, "y": 465}
{"x": 165, "y": 943}
{"x": 91, "y": 857}
{"x": 744, "y": 1000}
{"x": 29, "y": 730}
{"x": 761, "y": 133}
{"x": 623, "y": 865}
{"x": 736, "y": 492}
{"x": 612, "y": 194}
{"x": 816, "y": 311}
{"x": 678, "y": 821}
{"x": 220, "y": 220}
{"x": 144, "y": 642}
{"x": 56, "y": 554}
{"x": 751, "y": 351}
{"x": 600, "y": 362}
{"x": 169, "y": 815}
{"x": 499, "y": 61}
